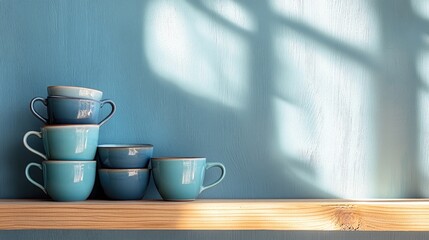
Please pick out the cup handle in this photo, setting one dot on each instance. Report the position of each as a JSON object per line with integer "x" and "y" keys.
{"x": 222, "y": 175}
{"x": 24, "y": 140}
{"x": 113, "y": 110}
{"x": 33, "y": 110}
{"x": 27, "y": 174}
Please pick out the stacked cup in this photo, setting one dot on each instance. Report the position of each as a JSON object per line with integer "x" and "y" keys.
{"x": 70, "y": 139}
{"x": 124, "y": 172}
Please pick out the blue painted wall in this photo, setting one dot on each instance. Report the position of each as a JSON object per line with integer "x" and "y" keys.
{"x": 299, "y": 99}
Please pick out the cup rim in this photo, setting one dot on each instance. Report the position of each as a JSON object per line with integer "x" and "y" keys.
{"x": 120, "y": 146}
{"x": 178, "y": 158}
{"x": 123, "y": 169}
{"x": 57, "y": 161}
{"x": 70, "y": 125}
{"x": 72, "y": 98}
{"x": 75, "y": 87}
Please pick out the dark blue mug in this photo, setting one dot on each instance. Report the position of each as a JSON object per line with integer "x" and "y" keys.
{"x": 67, "y": 110}
{"x": 125, "y": 155}
{"x": 124, "y": 184}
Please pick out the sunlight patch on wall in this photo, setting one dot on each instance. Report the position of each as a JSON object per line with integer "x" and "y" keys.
{"x": 292, "y": 129}
{"x": 352, "y": 22}
{"x": 325, "y": 120}
{"x": 422, "y": 62}
{"x": 423, "y": 110}
{"x": 190, "y": 50}
{"x": 423, "y": 155}
{"x": 421, "y": 8}
{"x": 233, "y": 13}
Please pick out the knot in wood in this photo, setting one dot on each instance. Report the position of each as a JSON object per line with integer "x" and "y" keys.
{"x": 348, "y": 218}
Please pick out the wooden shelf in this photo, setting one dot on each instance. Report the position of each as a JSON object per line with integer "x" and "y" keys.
{"x": 371, "y": 215}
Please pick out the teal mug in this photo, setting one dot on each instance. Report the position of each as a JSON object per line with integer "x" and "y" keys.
{"x": 67, "y": 142}
{"x": 68, "y": 110}
{"x": 65, "y": 181}
{"x": 181, "y": 178}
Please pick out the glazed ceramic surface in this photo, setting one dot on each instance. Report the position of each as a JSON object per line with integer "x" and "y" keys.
{"x": 76, "y": 92}
{"x": 182, "y": 178}
{"x": 67, "y": 142}
{"x": 65, "y": 180}
{"x": 124, "y": 184}
{"x": 66, "y": 110}
{"x": 125, "y": 156}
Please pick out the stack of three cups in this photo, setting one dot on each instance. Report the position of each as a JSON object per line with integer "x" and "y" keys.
{"x": 70, "y": 139}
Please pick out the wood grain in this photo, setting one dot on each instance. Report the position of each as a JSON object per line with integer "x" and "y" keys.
{"x": 374, "y": 215}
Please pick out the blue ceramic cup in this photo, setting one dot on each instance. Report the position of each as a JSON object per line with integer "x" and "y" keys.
{"x": 124, "y": 184}
{"x": 75, "y": 92}
{"x": 125, "y": 156}
{"x": 67, "y": 142}
{"x": 67, "y": 110}
{"x": 181, "y": 178}
{"x": 65, "y": 181}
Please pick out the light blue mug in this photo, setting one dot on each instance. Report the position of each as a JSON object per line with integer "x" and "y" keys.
{"x": 65, "y": 181}
{"x": 181, "y": 178}
{"x": 67, "y": 110}
{"x": 67, "y": 142}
